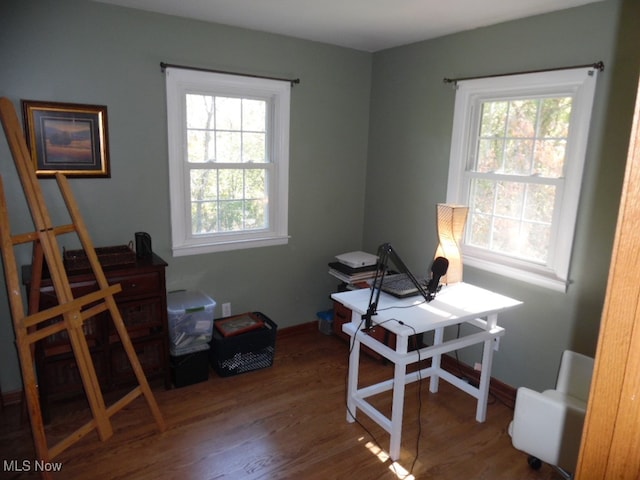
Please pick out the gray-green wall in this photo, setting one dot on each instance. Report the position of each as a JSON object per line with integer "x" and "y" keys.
{"x": 376, "y": 121}
{"x": 84, "y": 52}
{"x": 409, "y": 145}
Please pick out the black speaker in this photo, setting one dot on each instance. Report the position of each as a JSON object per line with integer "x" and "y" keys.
{"x": 143, "y": 245}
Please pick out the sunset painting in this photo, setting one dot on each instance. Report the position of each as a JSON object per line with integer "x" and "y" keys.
{"x": 67, "y": 138}
{"x": 67, "y": 141}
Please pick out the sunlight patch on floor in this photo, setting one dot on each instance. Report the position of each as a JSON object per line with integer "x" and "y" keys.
{"x": 397, "y": 469}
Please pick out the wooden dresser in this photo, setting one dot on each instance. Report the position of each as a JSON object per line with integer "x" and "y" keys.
{"x": 143, "y": 306}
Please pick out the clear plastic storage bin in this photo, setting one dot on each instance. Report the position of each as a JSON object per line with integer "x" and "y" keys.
{"x": 190, "y": 315}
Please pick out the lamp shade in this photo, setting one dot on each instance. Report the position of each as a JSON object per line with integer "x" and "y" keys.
{"x": 451, "y": 220}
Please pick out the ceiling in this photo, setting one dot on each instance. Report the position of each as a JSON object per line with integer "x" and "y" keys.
{"x": 368, "y": 25}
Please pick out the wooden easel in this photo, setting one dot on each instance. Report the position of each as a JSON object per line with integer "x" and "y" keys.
{"x": 70, "y": 313}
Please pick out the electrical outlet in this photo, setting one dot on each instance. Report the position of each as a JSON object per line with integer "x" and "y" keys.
{"x": 477, "y": 367}
{"x": 226, "y": 309}
{"x": 496, "y": 343}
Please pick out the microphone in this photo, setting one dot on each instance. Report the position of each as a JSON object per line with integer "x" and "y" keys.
{"x": 438, "y": 269}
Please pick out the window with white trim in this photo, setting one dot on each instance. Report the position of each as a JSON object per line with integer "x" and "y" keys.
{"x": 517, "y": 156}
{"x": 228, "y": 161}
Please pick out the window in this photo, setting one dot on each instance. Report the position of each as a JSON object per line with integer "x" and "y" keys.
{"x": 517, "y": 155}
{"x": 228, "y": 161}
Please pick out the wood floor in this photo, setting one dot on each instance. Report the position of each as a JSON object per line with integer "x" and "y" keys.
{"x": 283, "y": 422}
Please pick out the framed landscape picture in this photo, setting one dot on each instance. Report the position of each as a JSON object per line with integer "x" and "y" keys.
{"x": 68, "y": 138}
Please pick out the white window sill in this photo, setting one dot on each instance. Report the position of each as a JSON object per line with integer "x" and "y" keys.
{"x": 197, "y": 249}
{"x": 542, "y": 278}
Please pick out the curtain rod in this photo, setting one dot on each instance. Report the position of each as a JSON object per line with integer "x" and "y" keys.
{"x": 164, "y": 66}
{"x": 597, "y": 65}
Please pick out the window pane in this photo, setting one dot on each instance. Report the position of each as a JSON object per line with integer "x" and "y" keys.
{"x": 229, "y": 146}
{"x": 494, "y": 117}
{"x": 255, "y": 217}
{"x": 522, "y": 118}
{"x": 518, "y": 157}
{"x": 536, "y": 244}
{"x": 204, "y": 217}
{"x": 231, "y": 215}
{"x": 228, "y": 113}
{"x": 490, "y": 153}
{"x": 550, "y": 157}
{"x": 253, "y": 147}
{"x": 200, "y": 122}
{"x": 201, "y": 146}
{"x": 555, "y": 114}
{"x": 482, "y": 195}
{"x": 200, "y": 111}
{"x": 480, "y": 231}
{"x": 255, "y": 184}
{"x": 509, "y": 199}
{"x": 491, "y": 138}
{"x": 204, "y": 184}
{"x": 203, "y": 209}
{"x": 254, "y": 115}
{"x": 539, "y": 203}
{"x": 256, "y": 199}
{"x": 505, "y": 235}
{"x": 231, "y": 185}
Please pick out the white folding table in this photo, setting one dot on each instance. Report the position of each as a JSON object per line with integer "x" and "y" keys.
{"x": 454, "y": 304}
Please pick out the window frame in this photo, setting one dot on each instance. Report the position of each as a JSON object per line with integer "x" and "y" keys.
{"x": 578, "y": 83}
{"x": 277, "y": 94}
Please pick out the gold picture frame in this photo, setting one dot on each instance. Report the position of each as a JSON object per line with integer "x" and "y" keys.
{"x": 67, "y": 137}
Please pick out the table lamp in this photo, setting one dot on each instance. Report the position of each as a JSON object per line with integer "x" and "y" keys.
{"x": 451, "y": 219}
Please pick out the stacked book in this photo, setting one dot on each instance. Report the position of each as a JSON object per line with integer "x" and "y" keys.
{"x": 354, "y": 267}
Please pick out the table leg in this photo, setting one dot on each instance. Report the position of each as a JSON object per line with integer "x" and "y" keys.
{"x": 352, "y": 380}
{"x": 438, "y": 337}
{"x": 485, "y": 373}
{"x": 397, "y": 410}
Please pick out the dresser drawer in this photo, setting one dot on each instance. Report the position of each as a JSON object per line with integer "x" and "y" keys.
{"x": 49, "y": 299}
{"x": 141, "y": 318}
{"x": 63, "y": 374}
{"x": 140, "y": 284}
{"x": 150, "y": 354}
{"x": 58, "y": 343}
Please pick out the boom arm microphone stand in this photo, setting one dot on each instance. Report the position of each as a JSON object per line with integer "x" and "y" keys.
{"x": 385, "y": 252}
